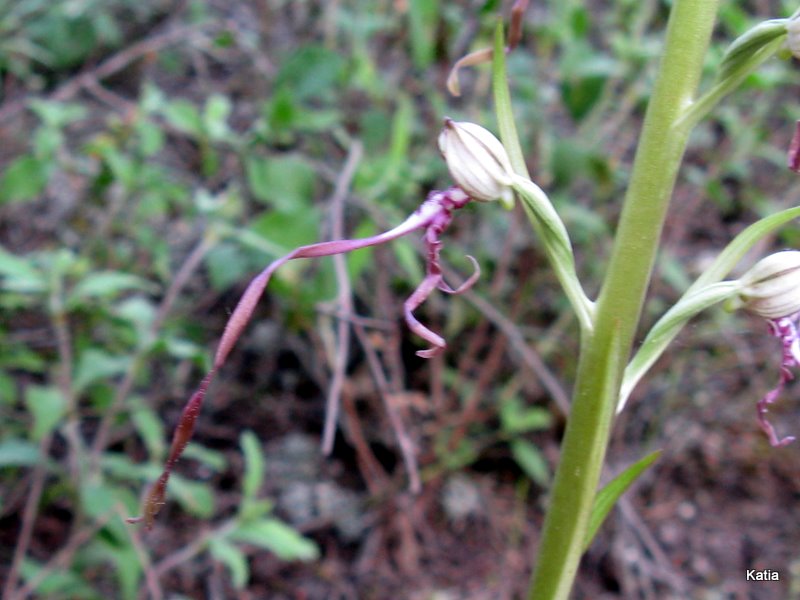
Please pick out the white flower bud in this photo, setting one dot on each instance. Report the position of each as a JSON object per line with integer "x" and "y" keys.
{"x": 477, "y": 161}
{"x": 771, "y": 288}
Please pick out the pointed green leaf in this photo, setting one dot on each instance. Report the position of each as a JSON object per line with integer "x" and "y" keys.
{"x": 94, "y": 365}
{"x": 311, "y": 71}
{"x": 531, "y": 460}
{"x": 58, "y": 114}
{"x": 286, "y": 183}
{"x": 47, "y": 405}
{"x": 608, "y": 496}
{"x": 184, "y": 116}
{"x": 213, "y": 459}
{"x": 423, "y": 18}
{"x": 231, "y": 557}
{"x": 516, "y": 417}
{"x": 58, "y": 583}
{"x": 150, "y": 428}
{"x": 18, "y": 453}
{"x": 24, "y": 179}
{"x": 278, "y": 537}
{"x": 215, "y": 116}
{"x": 253, "y": 465}
{"x": 106, "y": 284}
{"x": 195, "y": 497}
{"x": 19, "y": 274}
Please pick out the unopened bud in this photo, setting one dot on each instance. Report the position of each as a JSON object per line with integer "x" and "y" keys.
{"x": 793, "y": 37}
{"x": 771, "y": 288}
{"x": 477, "y": 161}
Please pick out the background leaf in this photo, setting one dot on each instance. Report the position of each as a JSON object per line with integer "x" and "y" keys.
{"x": 47, "y": 406}
{"x": 278, "y": 538}
{"x": 231, "y": 557}
{"x": 24, "y": 179}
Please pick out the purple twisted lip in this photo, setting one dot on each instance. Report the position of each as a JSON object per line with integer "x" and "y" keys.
{"x": 434, "y": 216}
{"x": 786, "y": 330}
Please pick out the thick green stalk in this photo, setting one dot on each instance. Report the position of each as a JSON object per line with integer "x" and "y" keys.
{"x": 604, "y": 353}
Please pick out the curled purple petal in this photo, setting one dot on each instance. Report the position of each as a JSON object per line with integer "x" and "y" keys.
{"x": 476, "y": 273}
{"x": 449, "y": 200}
{"x": 784, "y": 329}
{"x": 433, "y": 215}
{"x": 766, "y": 426}
{"x": 421, "y": 218}
{"x": 430, "y": 283}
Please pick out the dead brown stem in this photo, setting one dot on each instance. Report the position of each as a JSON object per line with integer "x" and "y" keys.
{"x": 344, "y": 299}
{"x": 407, "y": 449}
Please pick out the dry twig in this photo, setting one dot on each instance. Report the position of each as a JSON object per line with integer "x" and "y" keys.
{"x": 90, "y": 79}
{"x": 407, "y": 449}
{"x": 344, "y": 299}
{"x": 65, "y": 366}
{"x": 528, "y": 355}
{"x": 62, "y": 558}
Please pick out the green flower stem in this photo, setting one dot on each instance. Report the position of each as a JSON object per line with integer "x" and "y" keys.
{"x": 605, "y": 352}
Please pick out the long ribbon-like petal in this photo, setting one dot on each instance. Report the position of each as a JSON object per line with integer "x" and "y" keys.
{"x": 434, "y": 215}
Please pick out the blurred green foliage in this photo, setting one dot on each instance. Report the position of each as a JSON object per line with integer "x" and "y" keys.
{"x": 42, "y": 38}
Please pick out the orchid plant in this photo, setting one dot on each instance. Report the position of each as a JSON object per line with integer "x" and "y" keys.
{"x": 484, "y": 168}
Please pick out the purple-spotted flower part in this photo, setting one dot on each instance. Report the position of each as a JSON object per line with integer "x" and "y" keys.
{"x": 433, "y": 216}
{"x": 771, "y": 289}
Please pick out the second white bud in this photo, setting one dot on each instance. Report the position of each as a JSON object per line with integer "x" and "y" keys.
{"x": 793, "y": 37}
{"x": 771, "y": 288}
